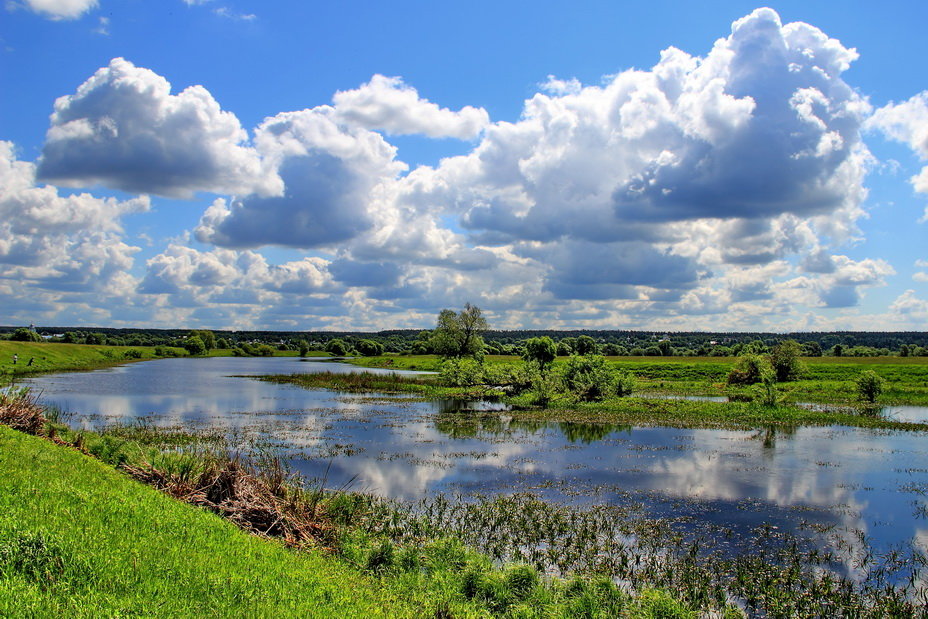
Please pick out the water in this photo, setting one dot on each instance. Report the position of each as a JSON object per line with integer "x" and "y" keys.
{"x": 836, "y": 479}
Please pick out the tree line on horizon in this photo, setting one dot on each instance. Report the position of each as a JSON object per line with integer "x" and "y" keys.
{"x": 495, "y": 342}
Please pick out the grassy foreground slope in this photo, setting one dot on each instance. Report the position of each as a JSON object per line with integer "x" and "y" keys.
{"x": 79, "y": 539}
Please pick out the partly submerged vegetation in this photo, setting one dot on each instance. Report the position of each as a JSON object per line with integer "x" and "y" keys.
{"x": 639, "y": 392}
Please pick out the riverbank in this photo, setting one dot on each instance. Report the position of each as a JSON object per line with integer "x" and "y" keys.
{"x": 79, "y": 538}
{"x": 79, "y": 524}
{"x": 46, "y": 358}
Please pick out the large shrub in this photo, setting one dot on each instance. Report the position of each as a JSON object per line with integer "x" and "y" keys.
{"x": 869, "y": 386}
{"x": 749, "y": 370}
{"x": 590, "y": 378}
{"x": 460, "y": 372}
{"x": 541, "y": 350}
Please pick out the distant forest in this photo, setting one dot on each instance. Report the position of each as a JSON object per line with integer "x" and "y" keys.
{"x": 411, "y": 341}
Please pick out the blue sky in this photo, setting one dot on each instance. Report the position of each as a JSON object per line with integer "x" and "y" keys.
{"x": 294, "y": 165}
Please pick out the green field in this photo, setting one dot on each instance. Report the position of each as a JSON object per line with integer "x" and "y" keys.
{"x": 65, "y": 357}
{"x": 78, "y": 357}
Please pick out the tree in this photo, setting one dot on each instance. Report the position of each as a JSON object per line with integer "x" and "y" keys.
{"x": 194, "y": 345}
{"x": 304, "y": 348}
{"x": 541, "y": 350}
{"x": 750, "y": 369}
{"x": 207, "y": 337}
{"x": 336, "y": 347}
{"x": 585, "y": 345}
{"x": 812, "y": 349}
{"x": 666, "y": 348}
{"x": 25, "y": 335}
{"x": 458, "y": 334}
{"x": 785, "y": 360}
{"x": 369, "y": 348}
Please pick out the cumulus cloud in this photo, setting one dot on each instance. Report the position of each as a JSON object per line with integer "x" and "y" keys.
{"x": 388, "y": 104}
{"x": 746, "y": 156}
{"x": 910, "y": 306}
{"x": 56, "y": 242}
{"x": 222, "y": 276}
{"x": 124, "y": 129}
{"x": 907, "y": 122}
{"x": 61, "y": 9}
{"x": 332, "y": 176}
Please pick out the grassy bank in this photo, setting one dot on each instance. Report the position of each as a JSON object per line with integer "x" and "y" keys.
{"x": 79, "y": 539}
{"x": 56, "y": 357}
{"x": 66, "y": 357}
{"x": 827, "y": 380}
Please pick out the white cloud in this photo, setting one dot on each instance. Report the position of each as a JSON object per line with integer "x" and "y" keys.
{"x": 907, "y": 122}
{"x": 388, "y": 104}
{"x": 222, "y": 277}
{"x": 124, "y": 129}
{"x": 910, "y": 306}
{"x": 61, "y": 9}
{"x": 63, "y": 243}
{"x": 333, "y": 176}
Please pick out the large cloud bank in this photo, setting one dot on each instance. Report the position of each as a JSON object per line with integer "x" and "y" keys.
{"x": 705, "y": 192}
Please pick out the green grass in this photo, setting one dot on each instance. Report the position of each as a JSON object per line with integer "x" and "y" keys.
{"x": 79, "y": 357}
{"x": 828, "y": 380}
{"x": 64, "y": 357}
{"x": 77, "y": 538}
{"x": 104, "y": 545}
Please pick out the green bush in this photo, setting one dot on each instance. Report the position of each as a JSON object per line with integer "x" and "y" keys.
{"x": 460, "y": 372}
{"x": 749, "y": 370}
{"x": 785, "y": 360}
{"x": 869, "y": 386}
{"x": 588, "y": 377}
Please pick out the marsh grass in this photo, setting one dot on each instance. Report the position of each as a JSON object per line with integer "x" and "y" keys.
{"x": 777, "y": 574}
{"x": 359, "y": 382}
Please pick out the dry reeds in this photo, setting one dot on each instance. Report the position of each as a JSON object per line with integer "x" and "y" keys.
{"x": 257, "y": 500}
{"x": 19, "y": 410}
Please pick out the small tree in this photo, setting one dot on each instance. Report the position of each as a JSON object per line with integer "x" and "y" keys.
{"x": 304, "y": 348}
{"x": 369, "y": 348}
{"x": 336, "y": 347}
{"x": 542, "y": 350}
{"x": 749, "y": 370}
{"x": 458, "y": 334}
{"x": 785, "y": 360}
{"x": 194, "y": 345}
{"x": 585, "y": 345}
{"x": 869, "y": 386}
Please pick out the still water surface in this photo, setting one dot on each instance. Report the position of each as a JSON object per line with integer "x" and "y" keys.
{"x": 844, "y": 480}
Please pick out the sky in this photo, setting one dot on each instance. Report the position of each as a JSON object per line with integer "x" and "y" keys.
{"x": 286, "y": 165}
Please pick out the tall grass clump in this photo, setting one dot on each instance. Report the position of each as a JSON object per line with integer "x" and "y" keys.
{"x": 19, "y": 410}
